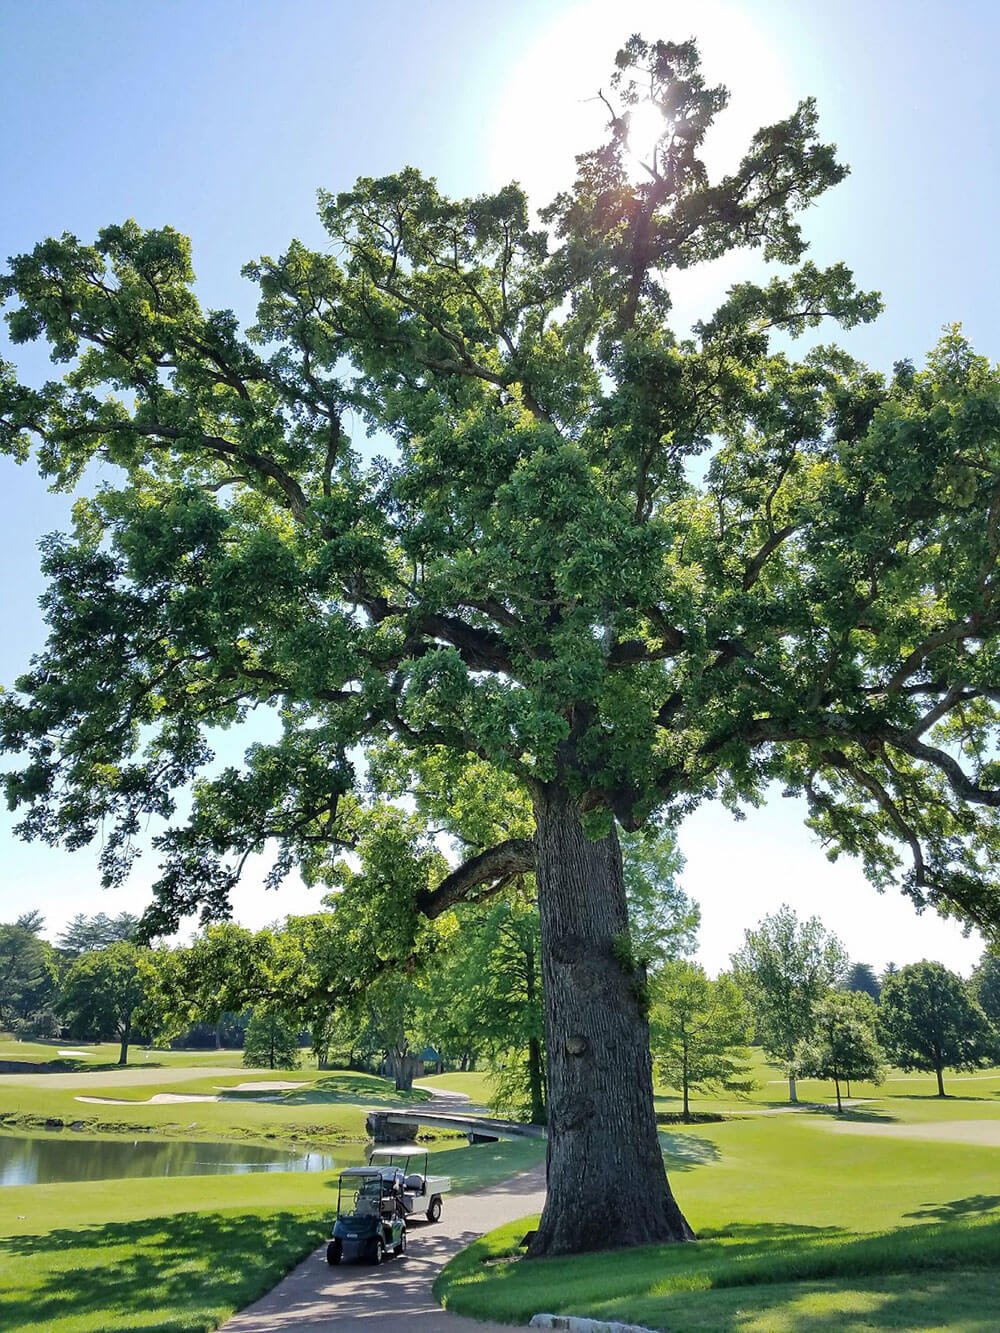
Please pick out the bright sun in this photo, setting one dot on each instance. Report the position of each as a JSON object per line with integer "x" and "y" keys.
{"x": 645, "y": 127}
{"x": 552, "y": 109}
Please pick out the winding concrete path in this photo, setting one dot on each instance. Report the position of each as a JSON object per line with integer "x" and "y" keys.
{"x": 315, "y": 1298}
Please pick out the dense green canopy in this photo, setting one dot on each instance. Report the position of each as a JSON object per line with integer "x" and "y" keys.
{"x": 528, "y": 575}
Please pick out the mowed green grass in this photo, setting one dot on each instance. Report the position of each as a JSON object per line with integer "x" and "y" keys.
{"x": 183, "y": 1253}
{"x": 324, "y": 1108}
{"x": 180, "y": 1253}
{"x": 809, "y": 1221}
{"x": 812, "y": 1221}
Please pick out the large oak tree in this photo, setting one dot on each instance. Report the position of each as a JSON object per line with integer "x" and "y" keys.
{"x": 527, "y": 575}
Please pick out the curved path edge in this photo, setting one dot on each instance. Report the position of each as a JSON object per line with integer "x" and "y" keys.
{"x": 315, "y": 1298}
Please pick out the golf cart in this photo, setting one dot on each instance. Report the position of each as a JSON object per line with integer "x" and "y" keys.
{"x": 404, "y": 1166}
{"x": 369, "y": 1217}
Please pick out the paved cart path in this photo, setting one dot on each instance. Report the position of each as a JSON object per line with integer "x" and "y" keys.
{"x": 397, "y": 1295}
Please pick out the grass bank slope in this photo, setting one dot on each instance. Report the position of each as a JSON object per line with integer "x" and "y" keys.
{"x": 810, "y": 1222}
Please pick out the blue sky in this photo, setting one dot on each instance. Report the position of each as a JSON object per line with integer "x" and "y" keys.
{"x": 224, "y": 118}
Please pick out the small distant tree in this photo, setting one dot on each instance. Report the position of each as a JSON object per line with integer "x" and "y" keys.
{"x": 861, "y": 977}
{"x": 84, "y": 934}
{"x": 272, "y": 1041}
{"x": 699, "y": 1030}
{"x": 844, "y": 1044}
{"x": 102, "y": 993}
{"x": 984, "y": 987}
{"x": 42, "y": 1024}
{"x": 928, "y": 1022}
{"x": 784, "y": 969}
{"x": 27, "y": 971}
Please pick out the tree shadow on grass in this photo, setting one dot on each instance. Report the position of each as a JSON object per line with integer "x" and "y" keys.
{"x": 684, "y": 1150}
{"x": 349, "y": 1087}
{"x": 955, "y": 1208}
{"x": 933, "y": 1097}
{"x": 762, "y": 1232}
{"x": 862, "y": 1115}
{"x": 182, "y": 1265}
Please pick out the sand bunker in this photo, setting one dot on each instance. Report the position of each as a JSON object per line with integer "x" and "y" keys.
{"x": 983, "y": 1132}
{"x": 158, "y": 1099}
{"x": 79, "y": 1055}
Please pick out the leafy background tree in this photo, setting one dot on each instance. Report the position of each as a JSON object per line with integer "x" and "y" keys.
{"x": 663, "y": 920}
{"x": 843, "y": 1044}
{"x": 861, "y": 977}
{"x": 494, "y": 993}
{"x": 83, "y": 933}
{"x": 28, "y": 976}
{"x": 103, "y": 993}
{"x": 272, "y": 1041}
{"x": 784, "y": 968}
{"x": 699, "y": 1030}
{"x": 985, "y": 987}
{"x": 526, "y": 579}
{"x": 928, "y": 1022}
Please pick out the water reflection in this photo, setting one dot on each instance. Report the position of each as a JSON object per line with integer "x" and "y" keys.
{"x": 26, "y": 1160}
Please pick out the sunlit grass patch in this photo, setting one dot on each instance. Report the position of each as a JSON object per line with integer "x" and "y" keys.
{"x": 650, "y": 1285}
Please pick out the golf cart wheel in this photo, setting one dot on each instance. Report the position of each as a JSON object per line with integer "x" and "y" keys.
{"x": 434, "y": 1211}
{"x": 400, "y": 1249}
{"x": 334, "y": 1251}
{"x": 377, "y": 1250}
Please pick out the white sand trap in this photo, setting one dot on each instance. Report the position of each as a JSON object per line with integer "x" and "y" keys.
{"x": 275, "y": 1085}
{"x": 981, "y": 1132}
{"x": 158, "y": 1099}
{"x": 79, "y": 1055}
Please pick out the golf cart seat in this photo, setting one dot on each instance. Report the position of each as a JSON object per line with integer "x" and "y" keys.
{"x": 414, "y": 1183}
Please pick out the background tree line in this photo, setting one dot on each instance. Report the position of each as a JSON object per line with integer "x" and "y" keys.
{"x": 473, "y": 995}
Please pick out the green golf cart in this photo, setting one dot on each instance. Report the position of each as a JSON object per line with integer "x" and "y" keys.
{"x": 370, "y": 1217}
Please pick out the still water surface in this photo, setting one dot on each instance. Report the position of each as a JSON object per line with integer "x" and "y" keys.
{"x": 30, "y": 1160}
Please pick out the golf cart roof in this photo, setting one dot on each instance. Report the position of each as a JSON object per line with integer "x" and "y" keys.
{"x": 361, "y": 1171}
{"x": 399, "y": 1150}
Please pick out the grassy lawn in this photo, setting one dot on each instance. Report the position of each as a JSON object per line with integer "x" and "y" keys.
{"x": 177, "y": 1254}
{"x": 324, "y": 1109}
{"x": 183, "y": 1253}
{"x": 476, "y": 1086}
{"x": 808, "y": 1221}
{"x": 759, "y": 1277}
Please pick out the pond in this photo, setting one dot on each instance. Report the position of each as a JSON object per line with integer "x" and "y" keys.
{"x": 32, "y": 1160}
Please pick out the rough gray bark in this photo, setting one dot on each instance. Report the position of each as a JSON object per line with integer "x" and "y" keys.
{"x": 404, "y": 1066}
{"x": 606, "y": 1182}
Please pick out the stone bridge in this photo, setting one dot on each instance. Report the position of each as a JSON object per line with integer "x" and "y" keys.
{"x": 403, "y": 1126}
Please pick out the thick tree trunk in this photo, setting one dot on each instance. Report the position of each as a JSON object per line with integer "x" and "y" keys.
{"x": 939, "y": 1070}
{"x": 607, "y": 1187}
{"x": 793, "y": 1095}
{"x": 126, "y": 1037}
{"x": 404, "y": 1067}
{"x": 836, "y": 1084}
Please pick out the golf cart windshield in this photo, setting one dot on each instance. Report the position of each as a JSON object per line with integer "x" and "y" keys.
{"x": 359, "y": 1195}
